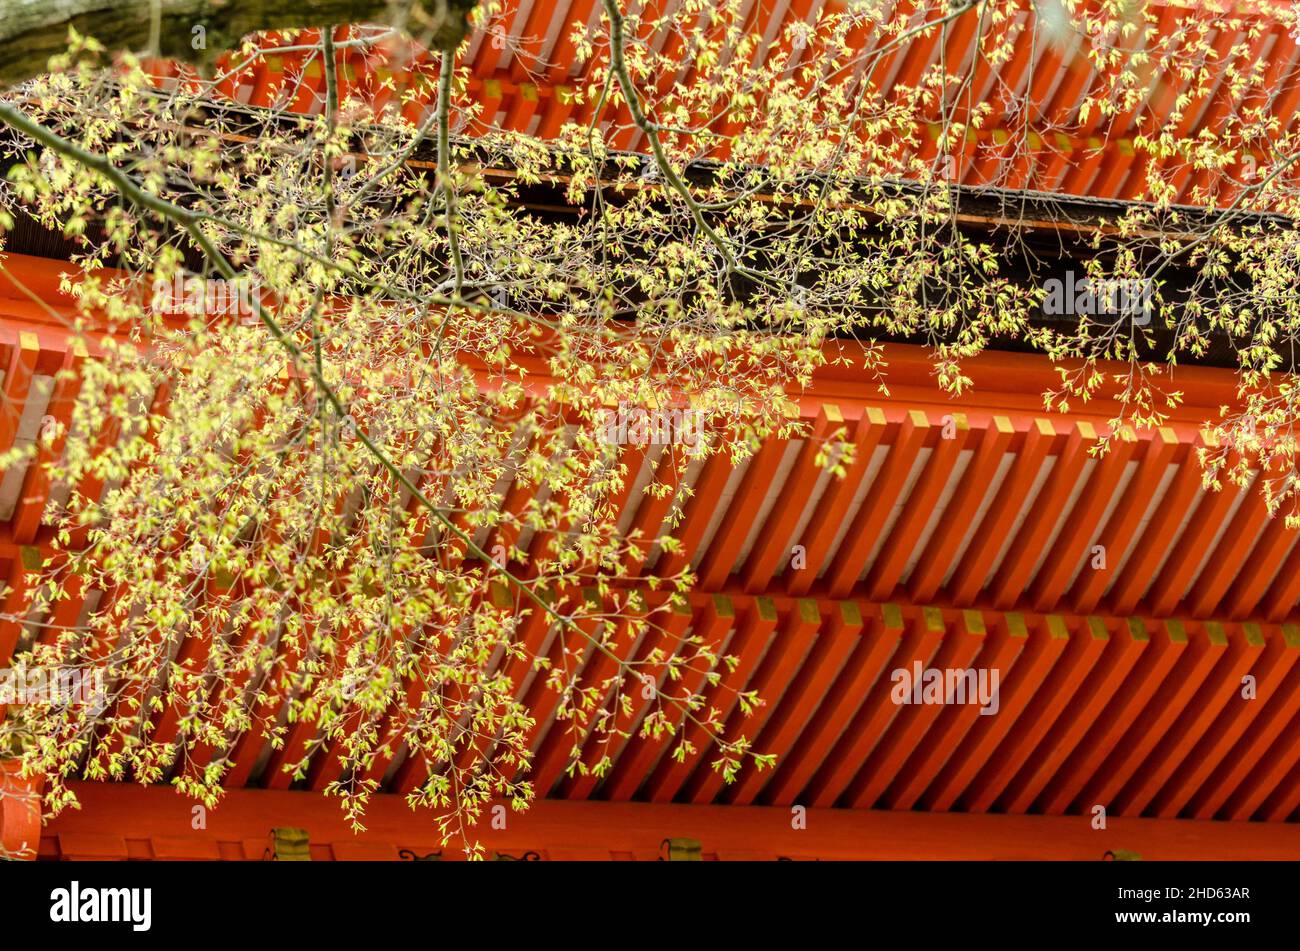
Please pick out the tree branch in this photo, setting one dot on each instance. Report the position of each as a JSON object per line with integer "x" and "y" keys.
{"x": 31, "y": 31}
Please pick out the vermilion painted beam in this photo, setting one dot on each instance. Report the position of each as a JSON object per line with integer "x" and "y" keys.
{"x": 725, "y": 546}
{"x": 651, "y": 509}
{"x": 1207, "y": 706}
{"x": 957, "y": 650}
{"x": 875, "y": 716}
{"x": 1231, "y": 555}
{"x": 1184, "y": 563}
{"x": 706, "y": 495}
{"x": 1005, "y": 383}
{"x": 534, "y": 635}
{"x": 19, "y": 371}
{"x": 936, "y": 560}
{"x": 563, "y": 742}
{"x": 1042, "y": 75}
{"x": 1124, "y": 521}
{"x": 1070, "y": 550}
{"x": 1219, "y": 105}
{"x": 191, "y": 655}
{"x": 748, "y": 645}
{"x": 906, "y": 532}
{"x": 1000, "y": 653}
{"x": 36, "y": 484}
{"x": 249, "y": 747}
{"x": 1118, "y": 716}
{"x": 20, "y": 812}
{"x": 1059, "y": 107}
{"x": 1165, "y": 522}
{"x": 15, "y": 595}
{"x": 774, "y": 542}
{"x": 991, "y": 534}
{"x": 1202, "y": 651}
{"x": 717, "y": 621}
{"x": 886, "y": 491}
{"x": 570, "y": 651}
{"x": 665, "y": 636}
{"x": 1280, "y": 602}
{"x": 1051, "y": 699}
{"x": 1248, "y": 754}
{"x": 1274, "y": 769}
{"x": 1030, "y": 540}
{"x": 122, "y": 817}
{"x": 1195, "y": 104}
{"x": 828, "y": 517}
{"x": 1281, "y": 806}
{"x": 1099, "y": 693}
{"x": 879, "y": 638}
{"x": 832, "y": 647}
{"x": 1041, "y": 653}
{"x": 1221, "y": 741}
{"x": 772, "y": 681}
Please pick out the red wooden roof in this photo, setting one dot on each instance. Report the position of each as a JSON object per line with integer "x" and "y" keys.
{"x": 1120, "y": 684}
{"x": 523, "y": 72}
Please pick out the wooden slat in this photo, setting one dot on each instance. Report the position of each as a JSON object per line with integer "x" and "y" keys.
{"x": 19, "y": 371}
{"x": 748, "y": 645}
{"x": 1043, "y": 649}
{"x": 1050, "y": 701}
{"x": 991, "y": 533}
{"x": 714, "y": 622}
{"x": 1221, "y": 742}
{"x": 1185, "y": 560}
{"x": 561, "y": 745}
{"x": 1156, "y": 540}
{"x": 665, "y": 635}
{"x": 36, "y": 485}
{"x": 724, "y": 549}
{"x": 1201, "y": 651}
{"x": 873, "y": 719}
{"x": 1275, "y": 770}
{"x": 826, "y": 659}
{"x": 651, "y": 509}
{"x": 1103, "y": 685}
{"x": 1124, "y": 713}
{"x": 1071, "y": 547}
{"x": 906, "y": 532}
{"x": 1204, "y": 709}
{"x": 1249, "y": 581}
{"x": 1014, "y": 573}
{"x": 876, "y": 643}
{"x": 1248, "y": 754}
{"x": 869, "y": 522}
{"x": 1000, "y": 653}
{"x": 532, "y": 635}
{"x": 1231, "y": 556}
{"x": 570, "y": 651}
{"x": 833, "y": 506}
{"x": 937, "y": 558}
{"x": 772, "y": 681}
{"x": 1125, "y": 520}
{"x": 706, "y": 495}
{"x": 774, "y": 541}
{"x": 907, "y": 731}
